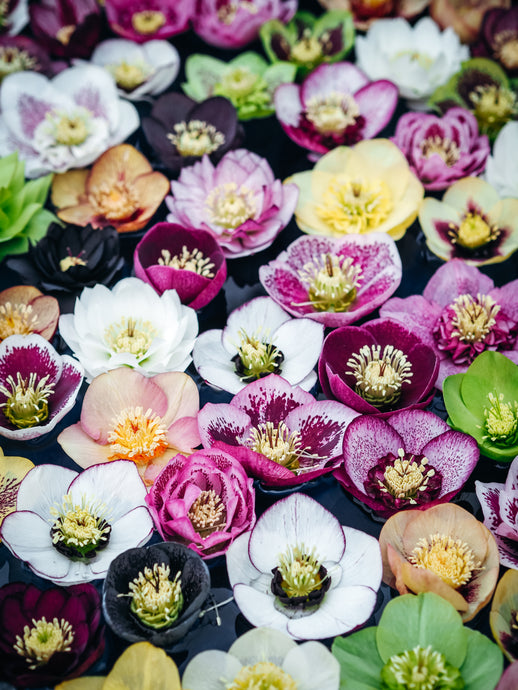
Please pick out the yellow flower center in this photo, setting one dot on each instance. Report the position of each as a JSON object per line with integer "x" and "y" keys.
{"x": 70, "y": 261}
{"x": 27, "y": 401}
{"x": 16, "y": 319}
{"x": 422, "y": 59}
{"x": 148, "y": 21}
{"x": 79, "y": 530}
{"x": 355, "y": 206}
{"x": 114, "y": 200}
{"x": 379, "y": 377}
{"x": 256, "y": 358}
{"x": 71, "y": 130}
{"x": 307, "y": 50}
{"x": 333, "y": 113}
{"x": 156, "y": 600}
{"x": 445, "y": 148}
{"x": 137, "y": 435}
{"x": 64, "y": 34}
{"x": 406, "y": 477}
{"x": 277, "y": 443}
{"x": 15, "y": 60}
{"x": 195, "y": 138}
{"x": 129, "y": 76}
{"x": 193, "y": 261}
{"x": 43, "y": 640}
{"x": 331, "y": 283}
{"x": 420, "y": 668}
{"x": 452, "y": 560}
{"x": 264, "y": 675}
{"x": 501, "y": 420}
{"x": 506, "y": 48}
{"x": 473, "y": 232}
{"x": 300, "y": 570}
{"x": 474, "y": 317}
{"x": 493, "y": 105}
{"x": 238, "y": 82}
{"x": 130, "y": 335}
{"x": 230, "y": 206}
{"x": 208, "y": 513}
{"x": 227, "y": 12}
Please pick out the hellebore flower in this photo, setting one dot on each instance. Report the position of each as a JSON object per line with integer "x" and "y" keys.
{"x": 181, "y": 131}
{"x": 263, "y": 657}
{"x": 24, "y": 310}
{"x": 460, "y": 314}
{"x": 46, "y": 636}
{"x": 464, "y": 16}
{"x": 509, "y": 679}
{"x": 279, "y": 433}
{"x": 442, "y": 549}
{"x": 498, "y": 37}
{"x": 502, "y": 167}
{"x": 411, "y": 460}
{"x": 503, "y": 615}
{"x": 155, "y": 593}
{"x": 360, "y": 189}
{"x": 126, "y": 416}
{"x": 20, "y": 53}
{"x": 247, "y": 81}
{"x": 365, "y": 12}
{"x": 442, "y": 150}
{"x": 70, "y": 526}
{"x": 238, "y": 201}
{"x": 143, "y": 20}
{"x": 63, "y": 123}
{"x": 66, "y": 28}
{"x": 12, "y": 470}
{"x": 336, "y": 105}
{"x": 420, "y": 641}
{"x": 171, "y": 257}
{"x": 130, "y": 326}
{"x": 204, "y": 501}
{"x": 259, "y": 339}
{"x": 417, "y": 58}
{"x": 37, "y": 386}
{"x": 334, "y": 281}
{"x": 14, "y": 15}
{"x": 121, "y": 190}
{"x": 325, "y": 575}
{"x": 231, "y": 24}
{"x": 377, "y": 368}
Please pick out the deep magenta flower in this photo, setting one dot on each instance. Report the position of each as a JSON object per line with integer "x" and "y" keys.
{"x": 143, "y": 20}
{"x": 378, "y": 368}
{"x": 412, "y": 460}
{"x": 66, "y": 28}
{"x": 336, "y": 105}
{"x": 20, "y": 53}
{"x": 203, "y": 501}
{"x": 498, "y": 37}
{"x": 441, "y": 150}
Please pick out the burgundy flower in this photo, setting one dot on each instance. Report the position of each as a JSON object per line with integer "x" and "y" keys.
{"x": 498, "y": 38}
{"x": 66, "y": 28}
{"x": 143, "y": 20}
{"x": 20, "y": 53}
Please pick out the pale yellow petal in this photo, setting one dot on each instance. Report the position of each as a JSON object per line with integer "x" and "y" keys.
{"x": 143, "y": 667}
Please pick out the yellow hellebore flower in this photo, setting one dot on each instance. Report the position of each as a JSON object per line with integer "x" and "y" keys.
{"x": 12, "y": 470}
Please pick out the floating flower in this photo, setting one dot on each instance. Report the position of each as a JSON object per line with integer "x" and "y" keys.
{"x": 502, "y": 167}
{"x": 25, "y": 310}
{"x": 334, "y": 281}
{"x": 460, "y": 314}
{"x": 69, "y": 527}
{"x": 356, "y": 190}
{"x": 238, "y": 201}
{"x": 14, "y": 15}
{"x": 420, "y": 640}
{"x": 12, "y": 470}
{"x": 121, "y": 190}
{"x": 377, "y": 368}
{"x": 442, "y": 549}
{"x": 155, "y": 593}
{"x": 37, "y": 386}
{"x": 20, "y": 53}
{"x": 417, "y": 58}
{"x": 247, "y": 81}
{"x": 130, "y": 326}
{"x": 143, "y": 20}
{"x": 464, "y": 16}
{"x": 325, "y": 575}
{"x": 365, "y": 12}
{"x": 63, "y": 123}
{"x": 411, "y": 460}
{"x": 46, "y": 636}
{"x": 504, "y": 611}
{"x": 336, "y": 105}
{"x": 65, "y": 28}
{"x": 442, "y": 150}
{"x": 498, "y": 36}
{"x": 171, "y": 257}
{"x": 126, "y": 416}
{"x": 265, "y": 658}
{"x": 259, "y": 339}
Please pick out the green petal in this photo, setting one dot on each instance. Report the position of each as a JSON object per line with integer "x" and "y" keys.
{"x": 249, "y": 60}
{"x": 359, "y": 660}
{"x": 337, "y": 19}
{"x": 276, "y": 28}
{"x": 483, "y": 664}
{"x": 202, "y": 72}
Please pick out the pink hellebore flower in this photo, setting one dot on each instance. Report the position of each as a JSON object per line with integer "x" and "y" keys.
{"x": 204, "y": 501}
{"x": 143, "y": 20}
{"x": 238, "y": 201}
{"x": 336, "y": 105}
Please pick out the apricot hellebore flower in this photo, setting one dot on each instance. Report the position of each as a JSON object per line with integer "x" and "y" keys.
{"x": 24, "y": 310}
{"x": 12, "y": 470}
{"x": 365, "y": 12}
{"x": 464, "y": 16}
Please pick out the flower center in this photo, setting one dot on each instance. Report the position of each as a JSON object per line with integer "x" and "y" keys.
{"x": 230, "y": 206}
{"x": 193, "y": 261}
{"x": 307, "y": 50}
{"x": 406, "y": 476}
{"x": 79, "y": 531}
{"x": 208, "y": 513}
{"x": 130, "y": 335}
{"x": 355, "y": 206}
{"x": 379, "y": 377}
{"x": 196, "y": 137}
{"x": 424, "y": 60}
{"x": 333, "y": 113}
{"x": 129, "y": 76}
{"x": 331, "y": 283}
{"x": 27, "y": 401}
{"x": 137, "y": 435}
{"x": 255, "y": 358}
{"x": 262, "y": 676}
{"x": 505, "y": 45}
{"x": 451, "y": 560}
{"x": 70, "y": 261}
{"x": 300, "y": 570}
{"x": 156, "y": 600}
{"x": 420, "y": 668}
{"x": 277, "y": 443}
{"x": 70, "y": 130}
{"x": 473, "y": 318}
{"x": 227, "y": 12}
{"x": 64, "y": 34}
{"x": 148, "y": 21}
{"x": 501, "y": 420}
{"x": 115, "y": 200}
{"x": 446, "y": 148}
{"x": 473, "y": 232}
{"x": 493, "y": 106}
{"x": 15, "y": 60}
{"x": 16, "y": 319}
{"x": 238, "y": 83}
{"x": 43, "y": 640}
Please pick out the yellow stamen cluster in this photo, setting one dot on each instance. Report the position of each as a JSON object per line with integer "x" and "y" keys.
{"x": 70, "y": 261}
{"x": 64, "y": 33}
{"x": 16, "y": 319}
{"x": 230, "y": 206}
{"x": 148, "y": 21}
{"x": 307, "y": 49}
{"x": 446, "y": 148}
{"x": 474, "y": 318}
{"x": 129, "y": 75}
{"x": 130, "y": 335}
{"x": 331, "y": 283}
{"x": 137, "y": 435}
{"x": 493, "y": 105}
{"x": 208, "y": 513}
{"x": 263, "y": 675}
{"x": 14, "y": 59}
{"x": 70, "y": 129}
{"x": 405, "y": 478}
{"x": 505, "y": 46}
{"x": 240, "y": 82}
{"x": 193, "y": 261}
{"x": 379, "y": 377}
{"x": 473, "y": 231}
{"x": 115, "y": 200}
{"x": 43, "y": 640}
{"x": 300, "y": 570}
{"x": 332, "y": 113}
{"x": 450, "y": 559}
{"x": 81, "y": 526}
{"x": 501, "y": 420}
{"x": 277, "y": 443}
{"x": 227, "y": 12}
{"x": 257, "y": 357}
{"x": 156, "y": 600}
{"x": 420, "y": 668}
{"x": 195, "y": 138}
{"x": 27, "y": 401}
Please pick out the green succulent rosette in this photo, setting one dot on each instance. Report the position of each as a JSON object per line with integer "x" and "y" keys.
{"x": 483, "y": 402}
{"x": 420, "y": 642}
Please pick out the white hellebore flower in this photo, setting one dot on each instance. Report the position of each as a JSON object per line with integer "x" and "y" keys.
{"x": 502, "y": 167}
{"x": 325, "y": 575}
{"x": 259, "y": 339}
{"x": 65, "y": 122}
{"x": 417, "y": 58}
{"x": 264, "y": 658}
{"x": 130, "y": 326}
{"x": 69, "y": 526}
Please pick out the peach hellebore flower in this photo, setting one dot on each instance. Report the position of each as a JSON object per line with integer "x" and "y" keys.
{"x": 24, "y": 310}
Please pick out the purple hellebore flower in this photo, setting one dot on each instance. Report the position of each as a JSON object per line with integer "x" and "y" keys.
{"x": 20, "y": 53}
{"x": 143, "y": 20}
{"x": 498, "y": 37}
{"x": 412, "y": 460}
{"x": 66, "y": 28}
{"x": 334, "y": 281}
{"x": 441, "y": 150}
{"x": 378, "y": 368}
{"x": 171, "y": 257}
{"x": 279, "y": 432}
{"x": 459, "y": 315}
{"x": 336, "y": 105}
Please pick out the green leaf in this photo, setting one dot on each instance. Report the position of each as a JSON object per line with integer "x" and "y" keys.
{"x": 359, "y": 660}
{"x": 22, "y": 219}
{"x": 18, "y": 245}
{"x": 483, "y": 664}
{"x": 38, "y": 225}
{"x": 8, "y": 167}
{"x": 37, "y": 191}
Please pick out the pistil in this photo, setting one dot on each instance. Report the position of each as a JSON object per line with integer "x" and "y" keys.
{"x": 501, "y": 420}
{"x": 230, "y": 206}
{"x": 493, "y": 106}
{"x": 148, "y": 21}
{"x": 193, "y": 261}
{"x": 79, "y": 530}
{"x": 16, "y": 319}
{"x": 277, "y": 443}
{"x": 137, "y": 435}
{"x": 39, "y": 643}
{"x": 474, "y": 318}
{"x": 116, "y": 200}
{"x": 156, "y": 600}
{"x": 420, "y": 668}
{"x": 307, "y": 50}
{"x": 331, "y": 282}
{"x": 450, "y": 559}
{"x": 196, "y": 137}
{"x": 71, "y": 260}
{"x": 446, "y": 148}
{"x": 332, "y": 113}
{"x": 256, "y": 358}
{"x": 208, "y": 513}
{"x": 27, "y": 402}
{"x": 130, "y": 335}
{"x": 473, "y": 232}
{"x": 379, "y": 377}
{"x": 129, "y": 75}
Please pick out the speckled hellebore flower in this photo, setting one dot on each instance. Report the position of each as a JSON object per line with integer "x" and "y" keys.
{"x": 25, "y": 310}
{"x": 498, "y": 38}
{"x": 325, "y": 575}
{"x": 239, "y": 201}
{"x": 464, "y": 16}
{"x": 143, "y": 20}
{"x": 69, "y": 526}
{"x": 49, "y": 635}
{"x": 334, "y": 281}
{"x": 12, "y": 470}
{"x": 411, "y": 460}
{"x": 359, "y": 189}
{"x": 504, "y": 611}
{"x": 460, "y": 314}
{"x": 442, "y": 549}
{"x": 502, "y": 166}
{"x": 66, "y": 28}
